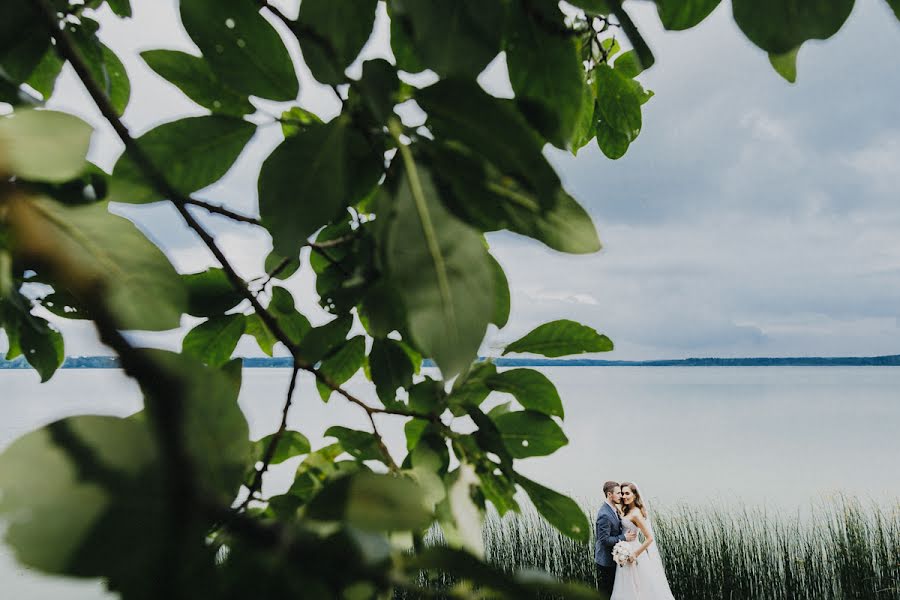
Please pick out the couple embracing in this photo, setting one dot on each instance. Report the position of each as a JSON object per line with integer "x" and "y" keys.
{"x": 627, "y": 568}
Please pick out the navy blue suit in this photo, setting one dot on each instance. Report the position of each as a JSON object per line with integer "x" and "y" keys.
{"x": 608, "y": 529}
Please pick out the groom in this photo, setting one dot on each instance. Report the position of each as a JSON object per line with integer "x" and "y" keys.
{"x": 609, "y": 533}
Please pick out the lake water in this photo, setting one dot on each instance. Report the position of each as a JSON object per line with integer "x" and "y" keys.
{"x": 777, "y": 436}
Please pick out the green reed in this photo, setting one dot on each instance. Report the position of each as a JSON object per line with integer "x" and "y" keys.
{"x": 840, "y": 550}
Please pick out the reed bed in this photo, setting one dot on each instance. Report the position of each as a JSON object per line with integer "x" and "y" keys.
{"x": 840, "y": 550}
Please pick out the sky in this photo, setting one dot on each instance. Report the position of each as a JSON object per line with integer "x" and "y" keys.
{"x": 750, "y": 218}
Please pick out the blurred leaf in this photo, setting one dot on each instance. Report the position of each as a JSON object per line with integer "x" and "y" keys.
{"x": 342, "y": 365}
{"x": 120, "y": 7}
{"x": 493, "y": 128}
{"x": 644, "y": 55}
{"x": 786, "y": 64}
{"x": 43, "y": 77}
{"x": 280, "y": 267}
{"x": 290, "y": 444}
{"x": 372, "y": 502}
{"x": 191, "y": 153}
{"x": 377, "y": 89}
{"x": 531, "y": 388}
{"x": 545, "y": 71}
{"x": 440, "y": 269}
{"x": 264, "y": 337}
{"x": 24, "y": 39}
{"x": 210, "y": 293}
{"x": 101, "y": 257}
{"x": 193, "y": 76}
{"x": 560, "y": 511}
{"x": 895, "y": 6}
{"x": 361, "y": 445}
{"x": 318, "y": 342}
{"x": 463, "y": 528}
{"x": 294, "y": 325}
{"x": 471, "y": 388}
{"x": 628, "y": 64}
{"x": 559, "y": 338}
{"x": 428, "y": 397}
{"x": 391, "y": 368}
{"x": 331, "y": 34}
{"x": 677, "y": 15}
{"x": 451, "y": 37}
{"x": 310, "y": 178}
{"x": 214, "y": 340}
{"x": 501, "y": 295}
{"x": 44, "y": 145}
{"x": 241, "y": 47}
{"x": 530, "y": 433}
{"x": 40, "y": 343}
{"x": 780, "y": 26}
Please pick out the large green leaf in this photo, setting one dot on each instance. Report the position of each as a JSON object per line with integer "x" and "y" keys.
{"x": 530, "y": 433}
{"x": 559, "y": 338}
{"x": 391, "y": 368}
{"x": 213, "y": 341}
{"x": 343, "y": 364}
{"x": 560, "y": 511}
{"x": 779, "y": 26}
{"x": 618, "y": 101}
{"x": 191, "y": 154}
{"x": 479, "y": 195}
{"x": 331, "y": 34}
{"x": 310, "y": 179}
{"x": 531, "y": 388}
{"x": 193, "y": 76}
{"x": 24, "y": 39}
{"x": 101, "y": 258}
{"x": 44, "y": 145}
{"x": 441, "y": 270}
{"x": 460, "y": 110}
{"x": 683, "y": 14}
{"x": 210, "y": 293}
{"x": 372, "y": 502}
{"x": 451, "y": 37}
{"x": 545, "y": 71}
{"x": 241, "y": 47}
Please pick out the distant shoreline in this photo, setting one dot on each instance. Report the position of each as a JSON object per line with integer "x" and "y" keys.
{"x": 110, "y": 362}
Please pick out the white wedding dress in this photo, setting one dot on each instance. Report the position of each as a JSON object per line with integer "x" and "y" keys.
{"x": 644, "y": 579}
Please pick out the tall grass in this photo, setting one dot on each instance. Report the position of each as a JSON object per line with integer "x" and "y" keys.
{"x": 842, "y": 550}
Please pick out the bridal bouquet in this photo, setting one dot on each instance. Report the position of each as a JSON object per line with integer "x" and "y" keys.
{"x": 621, "y": 553}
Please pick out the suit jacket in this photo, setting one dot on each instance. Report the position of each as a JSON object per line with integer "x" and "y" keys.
{"x": 609, "y": 533}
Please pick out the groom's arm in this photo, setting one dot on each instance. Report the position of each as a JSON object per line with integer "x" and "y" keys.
{"x": 604, "y": 529}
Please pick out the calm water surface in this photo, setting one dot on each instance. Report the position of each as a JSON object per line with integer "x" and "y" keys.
{"x": 780, "y": 436}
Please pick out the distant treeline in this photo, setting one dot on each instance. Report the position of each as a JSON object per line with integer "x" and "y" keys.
{"x": 110, "y": 362}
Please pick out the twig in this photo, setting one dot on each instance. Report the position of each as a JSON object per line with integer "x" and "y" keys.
{"x": 221, "y": 210}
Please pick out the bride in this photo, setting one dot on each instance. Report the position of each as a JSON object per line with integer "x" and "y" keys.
{"x": 644, "y": 578}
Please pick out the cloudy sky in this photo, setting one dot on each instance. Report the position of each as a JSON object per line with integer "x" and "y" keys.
{"x": 751, "y": 217}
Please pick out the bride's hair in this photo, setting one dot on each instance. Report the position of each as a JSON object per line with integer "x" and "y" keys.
{"x": 638, "y": 502}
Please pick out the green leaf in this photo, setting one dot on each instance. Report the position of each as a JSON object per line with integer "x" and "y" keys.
{"x": 560, "y": 511}
{"x": 493, "y": 128}
{"x": 193, "y": 76}
{"x": 584, "y": 128}
{"x": 441, "y": 270}
{"x": 241, "y": 47}
{"x": 677, "y": 15}
{"x": 531, "y": 388}
{"x": 280, "y": 267}
{"x": 294, "y": 324}
{"x": 24, "y": 39}
{"x": 451, "y": 37}
{"x": 290, "y": 444}
{"x": 545, "y": 72}
{"x": 391, "y": 368}
{"x": 210, "y": 293}
{"x": 428, "y": 397}
{"x": 320, "y": 341}
{"x": 44, "y": 145}
{"x": 331, "y": 34}
{"x": 560, "y": 338}
{"x": 501, "y": 295}
{"x": 105, "y": 68}
{"x": 264, "y": 337}
{"x": 311, "y": 177}
{"x": 342, "y": 365}
{"x": 895, "y": 6}
{"x": 645, "y": 56}
{"x": 471, "y": 388}
{"x": 362, "y": 445}
{"x": 372, "y": 502}
{"x": 190, "y": 153}
{"x": 628, "y": 64}
{"x": 530, "y": 433}
{"x": 617, "y": 102}
{"x": 101, "y": 257}
{"x": 612, "y": 143}
{"x": 121, "y": 7}
{"x": 780, "y": 26}
{"x": 43, "y": 77}
{"x": 213, "y": 341}
{"x": 41, "y": 345}
{"x": 594, "y": 7}
{"x": 378, "y": 89}
{"x": 786, "y": 64}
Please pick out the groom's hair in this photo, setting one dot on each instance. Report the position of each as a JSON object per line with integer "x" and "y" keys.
{"x": 608, "y": 487}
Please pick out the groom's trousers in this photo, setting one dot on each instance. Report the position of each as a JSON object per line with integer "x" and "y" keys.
{"x": 606, "y": 577}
